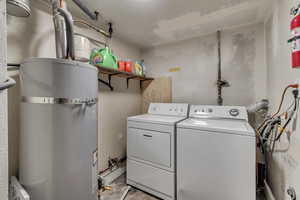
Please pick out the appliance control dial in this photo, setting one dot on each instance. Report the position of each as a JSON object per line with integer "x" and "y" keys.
{"x": 234, "y": 112}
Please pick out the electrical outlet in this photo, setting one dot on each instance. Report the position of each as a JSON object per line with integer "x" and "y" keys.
{"x": 17, "y": 192}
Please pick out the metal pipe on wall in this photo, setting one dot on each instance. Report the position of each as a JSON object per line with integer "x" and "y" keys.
{"x": 220, "y": 83}
{"x": 99, "y": 30}
{"x": 64, "y": 31}
{"x": 60, "y": 36}
{"x": 220, "y": 99}
{"x": 93, "y": 16}
{"x": 70, "y": 32}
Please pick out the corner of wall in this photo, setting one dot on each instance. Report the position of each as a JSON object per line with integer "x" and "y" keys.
{"x": 3, "y": 107}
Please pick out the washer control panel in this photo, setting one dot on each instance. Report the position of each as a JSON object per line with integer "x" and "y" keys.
{"x": 172, "y": 109}
{"x": 230, "y": 112}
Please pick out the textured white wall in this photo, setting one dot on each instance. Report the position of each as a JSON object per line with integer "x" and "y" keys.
{"x": 3, "y": 107}
{"x": 34, "y": 37}
{"x": 285, "y": 164}
{"x": 243, "y": 65}
{"x": 116, "y": 106}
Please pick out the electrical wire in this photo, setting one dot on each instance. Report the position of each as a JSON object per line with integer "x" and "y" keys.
{"x": 280, "y": 105}
{"x": 274, "y": 140}
{"x": 288, "y": 109}
{"x": 268, "y": 133}
{"x": 268, "y": 130}
{"x": 288, "y": 121}
{"x": 282, "y": 97}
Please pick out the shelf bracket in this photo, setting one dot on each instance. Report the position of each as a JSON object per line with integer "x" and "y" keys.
{"x": 141, "y": 82}
{"x": 108, "y": 84}
{"x": 127, "y": 80}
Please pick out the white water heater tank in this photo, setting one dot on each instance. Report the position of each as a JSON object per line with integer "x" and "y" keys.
{"x": 58, "y": 145}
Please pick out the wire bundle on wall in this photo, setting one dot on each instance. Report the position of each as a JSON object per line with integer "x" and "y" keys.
{"x": 272, "y": 128}
{"x": 272, "y": 125}
{"x": 268, "y": 126}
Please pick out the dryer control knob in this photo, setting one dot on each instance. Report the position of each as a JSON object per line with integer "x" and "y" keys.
{"x": 234, "y": 112}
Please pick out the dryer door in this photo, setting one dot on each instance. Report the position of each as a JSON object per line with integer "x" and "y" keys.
{"x": 149, "y": 146}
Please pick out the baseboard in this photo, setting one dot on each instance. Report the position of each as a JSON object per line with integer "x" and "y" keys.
{"x": 268, "y": 192}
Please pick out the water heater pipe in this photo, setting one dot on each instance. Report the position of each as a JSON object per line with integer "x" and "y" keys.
{"x": 70, "y": 32}
{"x": 64, "y": 32}
{"x": 64, "y": 27}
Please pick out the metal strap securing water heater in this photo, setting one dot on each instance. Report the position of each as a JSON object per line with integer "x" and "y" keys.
{"x": 54, "y": 100}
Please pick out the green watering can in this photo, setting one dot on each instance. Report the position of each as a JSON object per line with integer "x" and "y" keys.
{"x": 104, "y": 58}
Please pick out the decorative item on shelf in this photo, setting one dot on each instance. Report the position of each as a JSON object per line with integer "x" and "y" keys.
{"x": 96, "y": 58}
{"x": 121, "y": 65}
{"x": 138, "y": 69}
{"x": 104, "y": 58}
{"x": 128, "y": 66}
{"x": 142, "y": 63}
{"x": 144, "y": 67}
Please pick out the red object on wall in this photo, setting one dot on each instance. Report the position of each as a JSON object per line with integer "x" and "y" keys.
{"x": 121, "y": 65}
{"x": 295, "y": 29}
{"x": 128, "y": 67}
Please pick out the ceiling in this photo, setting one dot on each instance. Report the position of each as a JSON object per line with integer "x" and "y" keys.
{"x": 147, "y": 23}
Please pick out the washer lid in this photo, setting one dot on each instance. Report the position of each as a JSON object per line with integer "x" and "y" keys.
{"x": 229, "y": 126}
{"x": 157, "y": 119}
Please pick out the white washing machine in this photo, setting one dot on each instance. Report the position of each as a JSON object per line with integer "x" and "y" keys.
{"x": 216, "y": 155}
{"x": 151, "y": 149}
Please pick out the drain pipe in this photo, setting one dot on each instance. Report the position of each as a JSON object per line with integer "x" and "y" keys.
{"x": 220, "y": 83}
